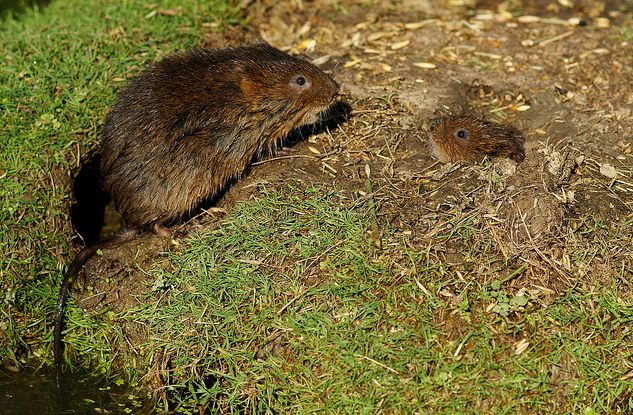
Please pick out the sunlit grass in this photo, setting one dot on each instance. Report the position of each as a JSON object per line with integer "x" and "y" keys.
{"x": 287, "y": 306}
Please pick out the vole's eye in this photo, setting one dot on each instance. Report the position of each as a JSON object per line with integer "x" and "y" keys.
{"x": 300, "y": 83}
{"x": 461, "y": 134}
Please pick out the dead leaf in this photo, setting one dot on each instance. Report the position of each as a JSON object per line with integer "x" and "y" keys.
{"x": 425, "y": 65}
{"x": 400, "y": 45}
{"x": 608, "y": 170}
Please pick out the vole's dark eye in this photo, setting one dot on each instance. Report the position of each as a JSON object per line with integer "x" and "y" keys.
{"x": 300, "y": 83}
{"x": 461, "y": 134}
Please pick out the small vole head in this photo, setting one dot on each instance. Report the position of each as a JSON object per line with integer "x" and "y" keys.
{"x": 466, "y": 138}
{"x": 274, "y": 81}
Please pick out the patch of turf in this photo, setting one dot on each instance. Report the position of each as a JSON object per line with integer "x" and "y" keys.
{"x": 60, "y": 70}
{"x": 289, "y": 307}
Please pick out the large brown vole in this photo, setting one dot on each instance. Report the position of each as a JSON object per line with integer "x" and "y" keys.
{"x": 466, "y": 138}
{"x": 189, "y": 125}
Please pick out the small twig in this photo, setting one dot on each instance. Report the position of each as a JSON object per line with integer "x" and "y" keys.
{"x": 371, "y": 201}
{"x": 515, "y": 273}
{"x": 93, "y": 296}
{"x": 462, "y": 344}
{"x": 421, "y": 287}
{"x": 560, "y": 272}
{"x": 555, "y": 38}
{"x": 294, "y": 156}
{"x": 382, "y": 365}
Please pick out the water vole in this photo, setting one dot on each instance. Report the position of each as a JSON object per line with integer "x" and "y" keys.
{"x": 466, "y": 138}
{"x": 187, "y": 126}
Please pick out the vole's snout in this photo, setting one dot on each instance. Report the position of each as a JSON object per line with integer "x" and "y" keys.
{"x": 328, "y": 91}
{"x": 333, "y": 89}
{"x": 337, "y": 87}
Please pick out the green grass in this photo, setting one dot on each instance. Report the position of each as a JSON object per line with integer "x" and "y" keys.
{"x": 60, "y": 70}
{"x": 287, "y": 306}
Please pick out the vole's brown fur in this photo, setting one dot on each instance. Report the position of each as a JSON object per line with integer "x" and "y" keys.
{"x": 189, "y": 125}
{"x": 466, "y": 138}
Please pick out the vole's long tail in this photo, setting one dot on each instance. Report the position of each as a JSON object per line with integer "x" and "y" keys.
{"x": 70, "y": 274}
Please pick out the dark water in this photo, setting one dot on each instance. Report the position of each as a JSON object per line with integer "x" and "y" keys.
{"x": 16, "y": 6}
{"x": 47, "y": 392}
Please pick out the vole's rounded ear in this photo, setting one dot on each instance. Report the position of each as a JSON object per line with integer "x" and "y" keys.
{"x": 251, "y": 91}
{"x": 247, "y": 86}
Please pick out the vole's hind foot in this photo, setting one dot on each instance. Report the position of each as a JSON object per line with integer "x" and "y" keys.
{"x": 165, "y": 232}
{"x": 162, "y": 231}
